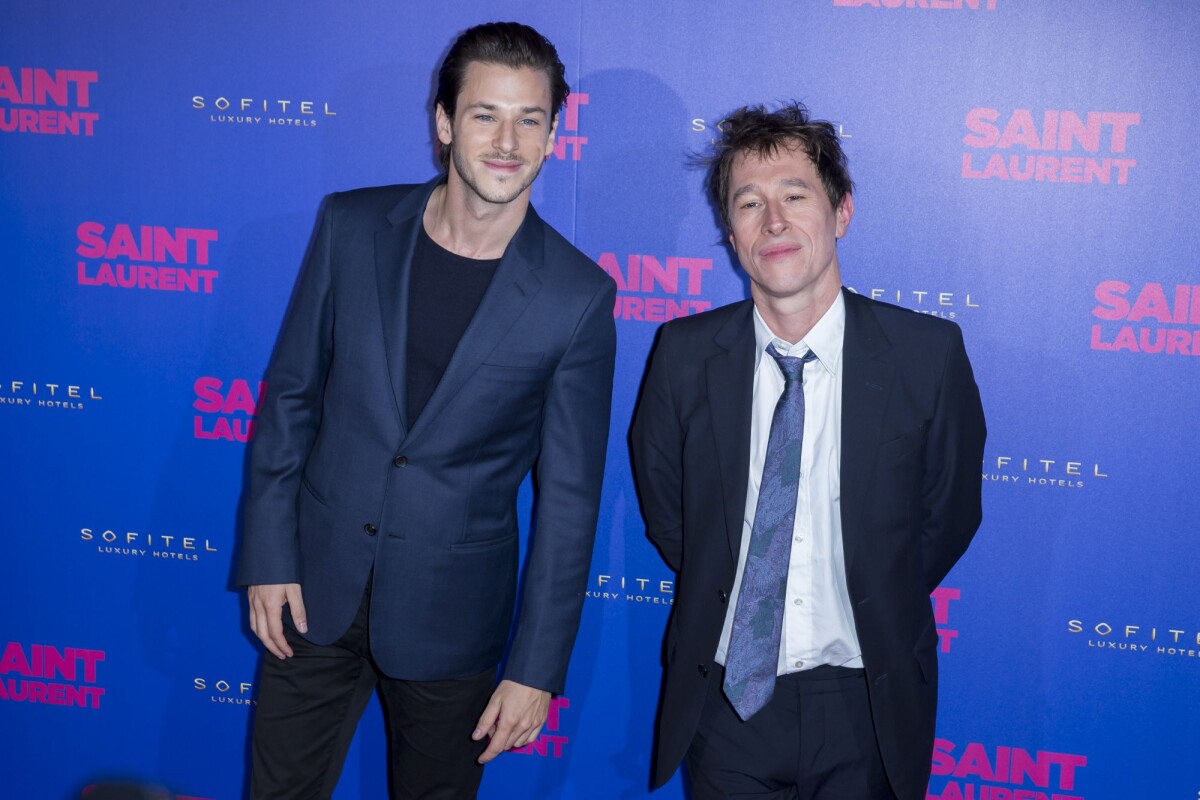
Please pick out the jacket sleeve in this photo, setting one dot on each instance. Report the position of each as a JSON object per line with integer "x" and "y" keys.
{"x": 656, "y": 443}
{"x": 568, "y": 478}
{"x": 951, "y": 488}
{"x": 287, "y": 418}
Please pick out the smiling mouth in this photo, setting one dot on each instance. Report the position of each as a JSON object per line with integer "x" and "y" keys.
{"x": 503, "y": 164}
{"x": 779, "y": 250}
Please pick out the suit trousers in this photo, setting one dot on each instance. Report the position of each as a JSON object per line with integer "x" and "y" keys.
{"x": 814, "y": 740}
{"x": 309, "y": 706}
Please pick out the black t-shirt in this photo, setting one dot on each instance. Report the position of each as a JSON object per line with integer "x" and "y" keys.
{"x": 444, "y": 291}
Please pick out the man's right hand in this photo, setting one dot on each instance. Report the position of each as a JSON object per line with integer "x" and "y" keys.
{"x": 266, "y": 614}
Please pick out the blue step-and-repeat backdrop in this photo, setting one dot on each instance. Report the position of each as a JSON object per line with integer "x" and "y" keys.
{"x": 1026, "y": 169}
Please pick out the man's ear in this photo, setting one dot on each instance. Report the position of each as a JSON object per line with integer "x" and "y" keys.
{"x": 844, "y": 212}
{"x": 445, "y": 126}
{"x": 550, "y": 138}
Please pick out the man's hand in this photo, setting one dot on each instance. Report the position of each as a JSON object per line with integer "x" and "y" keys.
{"x": 513, "y": 718}
{"x": 266, "y": 615}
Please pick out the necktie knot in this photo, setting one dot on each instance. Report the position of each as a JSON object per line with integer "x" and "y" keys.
{"x": 791, "y": 366}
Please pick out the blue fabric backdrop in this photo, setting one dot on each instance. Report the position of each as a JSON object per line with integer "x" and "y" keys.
{"x": 1022, "y": 168}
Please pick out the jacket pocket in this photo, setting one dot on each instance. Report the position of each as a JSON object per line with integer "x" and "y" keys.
{"x": 484, "y": 544}
{"x": 897, "y": 448}
{"x": 306, "y": 486}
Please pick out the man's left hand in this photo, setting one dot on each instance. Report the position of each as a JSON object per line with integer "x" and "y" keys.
{"x": 513, "y": 718}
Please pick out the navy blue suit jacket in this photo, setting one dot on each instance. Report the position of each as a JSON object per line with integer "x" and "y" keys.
{"x": 343, "y": 486}
{"x": 912, "y": 444}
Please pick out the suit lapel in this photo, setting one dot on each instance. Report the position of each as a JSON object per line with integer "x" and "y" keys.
{"x": 393, "y": 264}
{"x": 512, "y": 288}
{"x": 867, "y": 380}
{"x": 730, "y": 377}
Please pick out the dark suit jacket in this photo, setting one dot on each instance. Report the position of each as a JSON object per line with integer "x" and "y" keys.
{"x": 343, "y": 486}
{"x": 912, "y": 445}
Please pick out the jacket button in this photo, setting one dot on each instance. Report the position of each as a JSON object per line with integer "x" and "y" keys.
{"x": 370, "y": 529}
{"x": 400, "y": 461}
{"x": 703, "y": 670}
{"x": 722, "y": 594}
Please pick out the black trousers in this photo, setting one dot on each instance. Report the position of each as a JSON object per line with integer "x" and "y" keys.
{"x": 813, "y": 741}
{"x": 309, "y": 706}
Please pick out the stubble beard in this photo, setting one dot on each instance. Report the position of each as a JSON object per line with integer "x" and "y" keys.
{"x": 504, "y": 193}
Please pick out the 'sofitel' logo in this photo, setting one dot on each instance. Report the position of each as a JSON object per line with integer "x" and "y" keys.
{"x": 1052, "y": 473}
{"x": 175, "y": 260}
{"x": 1137, "y": 639}
{"x": 980, "y": 772}
{"x": 934, "y": 303}
{"x": 646, "y": 591}
{"x": 650, "y": 290}
{"x": 225, "y": 414}
{"x": 163, "y": 546}
{"x": 43, "y": 394}
{"x": 1053, "y": 146}
{"x": 65, "y": 677}
{"x": 1166, "y": 319}
{"x": 36, "y": 100}
{"x": 221, "y": 690}
{"x": 275, "y": 112}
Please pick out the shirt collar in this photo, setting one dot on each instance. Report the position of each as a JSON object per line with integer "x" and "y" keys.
{"x": 825, "y": 338}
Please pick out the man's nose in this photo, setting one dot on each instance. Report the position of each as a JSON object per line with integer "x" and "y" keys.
{"x": 506, "y": 138}
{"x": 774, "y": 221}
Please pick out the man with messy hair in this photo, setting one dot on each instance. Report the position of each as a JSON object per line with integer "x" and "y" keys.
{"x": 808, "y": 461}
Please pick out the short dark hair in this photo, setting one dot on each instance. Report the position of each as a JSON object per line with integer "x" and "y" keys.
{"x": 755, "y": 130}
{"x": 509, "y": 44}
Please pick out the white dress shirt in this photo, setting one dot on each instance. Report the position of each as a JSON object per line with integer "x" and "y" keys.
{"x": 818, "y": 623}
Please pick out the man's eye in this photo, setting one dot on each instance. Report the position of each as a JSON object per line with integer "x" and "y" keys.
{"x": 484, "y": 117}
{"x": 529, "y": 123}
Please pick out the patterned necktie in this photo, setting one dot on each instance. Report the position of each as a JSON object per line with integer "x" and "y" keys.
{"x": 753, "y": 656}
